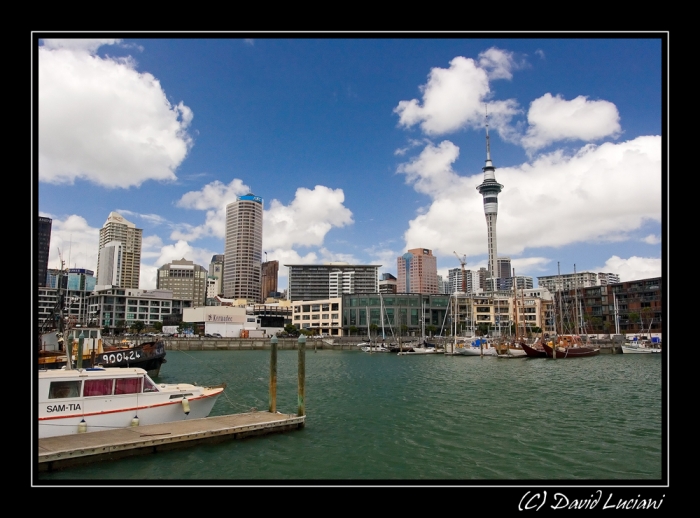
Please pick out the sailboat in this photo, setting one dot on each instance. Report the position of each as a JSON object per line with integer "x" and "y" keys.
{"x": 370, "y": 347}
{"x": 569, "y": 346}
{"x": 513, "y": 349}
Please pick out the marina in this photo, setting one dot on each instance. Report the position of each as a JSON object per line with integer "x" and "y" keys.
{"x": 384, "y": 417}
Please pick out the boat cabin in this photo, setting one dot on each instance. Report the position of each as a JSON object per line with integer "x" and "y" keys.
{"x": 62, "y": 384}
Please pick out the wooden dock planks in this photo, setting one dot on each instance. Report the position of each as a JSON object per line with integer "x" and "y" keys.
{"x": 71, "y": 450}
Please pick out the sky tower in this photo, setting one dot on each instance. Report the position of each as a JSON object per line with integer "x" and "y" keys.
{"x": 489, "y": 189}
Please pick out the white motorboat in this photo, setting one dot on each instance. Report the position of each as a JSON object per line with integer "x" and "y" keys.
{"x": 377, "y": 348}
{"x": 88, "y": 400}
{"x": 640, "y": 347}
{"x": 478, "y": 347}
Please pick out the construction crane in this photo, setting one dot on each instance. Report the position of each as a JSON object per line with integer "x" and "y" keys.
{"x": 463, "y": 262}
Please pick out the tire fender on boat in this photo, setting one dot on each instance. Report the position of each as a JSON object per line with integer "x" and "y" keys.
{"x": 185, "y": 405}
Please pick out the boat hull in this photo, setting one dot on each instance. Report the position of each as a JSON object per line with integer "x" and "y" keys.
{"x": 636, "y": 349}
{"x": 533, "y": 352}
{"x": 571, "y": 352}
{"x": 476, "y": 351}
{"x": 148, "y": 356}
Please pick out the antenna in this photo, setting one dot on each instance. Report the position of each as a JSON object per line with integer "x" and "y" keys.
{"x": 488, "y": 143}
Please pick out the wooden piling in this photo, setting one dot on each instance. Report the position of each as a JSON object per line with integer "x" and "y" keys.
{"x": 273, "y": 374}
{"x": 302, "y": 374}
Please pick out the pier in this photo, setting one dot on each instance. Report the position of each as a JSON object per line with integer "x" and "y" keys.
{"x": 83, "y": 448}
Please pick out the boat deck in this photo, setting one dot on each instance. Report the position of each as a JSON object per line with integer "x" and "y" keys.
{"x": 83, "y": 448}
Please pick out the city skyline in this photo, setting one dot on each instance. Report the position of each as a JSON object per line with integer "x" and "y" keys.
{"x": 362, "y": 148}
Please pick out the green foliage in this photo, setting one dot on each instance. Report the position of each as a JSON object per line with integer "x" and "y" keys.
{"x": 138, "y": 326}
{"x": 158, "y": 326}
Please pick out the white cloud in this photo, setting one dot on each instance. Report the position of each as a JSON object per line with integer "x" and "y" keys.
{"x": 307, "y": 219}
{"x": 79, "y": 45}
{"x": 553, "y": 119}
{"x": 633, "y": 268}
{"x": 103, "y": 121}
{"x": 77, "y": 241}
{"x": 498, "y": 63}
{"x": 454, "y": 98}
{"x": 652, "y": 239}
{"x": 553, "y": 201}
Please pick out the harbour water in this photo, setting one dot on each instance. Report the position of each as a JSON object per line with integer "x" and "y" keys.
{"x": 382, "y": 418}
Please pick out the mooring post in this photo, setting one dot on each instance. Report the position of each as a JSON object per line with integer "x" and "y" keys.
{"x": 302, "y": 373}
{"x": 81, "y": 341}
{"x": 273, "y": 374}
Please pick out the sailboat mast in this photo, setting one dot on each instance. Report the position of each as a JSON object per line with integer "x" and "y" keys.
{"x": 561, "y": 308}
{"x": 577, "y": 331}
{"x": 515, "y": 305}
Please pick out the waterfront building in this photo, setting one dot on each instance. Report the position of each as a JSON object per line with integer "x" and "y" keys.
{"x": 636, "y": 305}
{"x": 115, "y": 307}
{"x": 417, "y": 272}
{"x": 473, "y": 280}
{"x": 76, "y": 285}
{"x": 322, "y": 281}
{"x": 187, "y": 281}
{"x": 568, "y": 281}
{"x": 270, "y": 270}
{"x": 43, "y": 248}
{"x": 489, "y": 190}
{"x": 119, "y": 257}
{"x": 403, "y": 313}
{"x": 387, "y": 283}
{"x": 243, "y": 248}
{"x": 319, "y": 317}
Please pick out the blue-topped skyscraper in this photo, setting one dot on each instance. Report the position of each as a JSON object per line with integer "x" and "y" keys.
{"x": 243, "y": 248}
{"x": 489, "y": 189}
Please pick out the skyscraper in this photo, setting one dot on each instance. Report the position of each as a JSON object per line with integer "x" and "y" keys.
{"x": 417, "y": 270}
{"x": 243, "y": 248}
{"x": 489, "y": 189}
{"x": 119, "y": 258}
{"x": 268, "y": 281}
{"x": 187, "y": 281}
{"x": 42, "y": 252}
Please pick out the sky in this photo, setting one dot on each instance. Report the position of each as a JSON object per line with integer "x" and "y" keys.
{"x": 361, "y": 147}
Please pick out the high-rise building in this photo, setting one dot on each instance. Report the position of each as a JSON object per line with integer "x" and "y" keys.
{"x": 42, "y": 252}
{"x": 216, "y": 276}
{"x": 608, "y": 278}
{"x": 454, "y": 283}
{"x": 417, "y": 271}
{"x": 270, "y": 269}
{"x": 187, "y": 281}
{"x": 243, "y": 248}
{"x": 489, "y": 190}
{"x": 387, "y": 283}
{"x": 567, "y": 281}
{"x": 120, "y": 253}
{"x": 503, "y": 267}
{"x": 330, "y": 280}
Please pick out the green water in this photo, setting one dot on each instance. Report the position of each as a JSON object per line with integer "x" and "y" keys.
{"x": 383, "y": 417}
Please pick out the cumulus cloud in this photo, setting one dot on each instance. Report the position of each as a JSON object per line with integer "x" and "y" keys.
{"x": 76, "y": 240}
{"x": 431, "y": 172}
{"x": 633, "y": 268}
{"x": 454, "y": 98}
{"x": 652, "y": 239}
{"x": 79, "y": 45}
{"x": 553, "y": 118}
{"x": 103, "y": 121}
{"x": 498, "y": 63}
{"x": 545, "y": 203}
{"x": 307, "y": 219}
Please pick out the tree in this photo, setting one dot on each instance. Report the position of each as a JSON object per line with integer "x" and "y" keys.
{"x": 373, "y": 329}
{"x": 633, "y": 317}
{"x": 482, "y": 329}
{"x": 352, "y": 330}
{"x": 431, "y": 329}
{"x": 138, "y": 326}
{"x": 158, "y": 326}
{"x": 119, "y": 326}
{"x": 291, "y": 330}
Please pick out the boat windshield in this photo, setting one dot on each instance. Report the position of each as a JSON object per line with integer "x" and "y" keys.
{"x": 148, "y": 385}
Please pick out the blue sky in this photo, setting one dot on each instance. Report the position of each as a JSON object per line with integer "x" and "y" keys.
{"x": 361, "y": 148}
